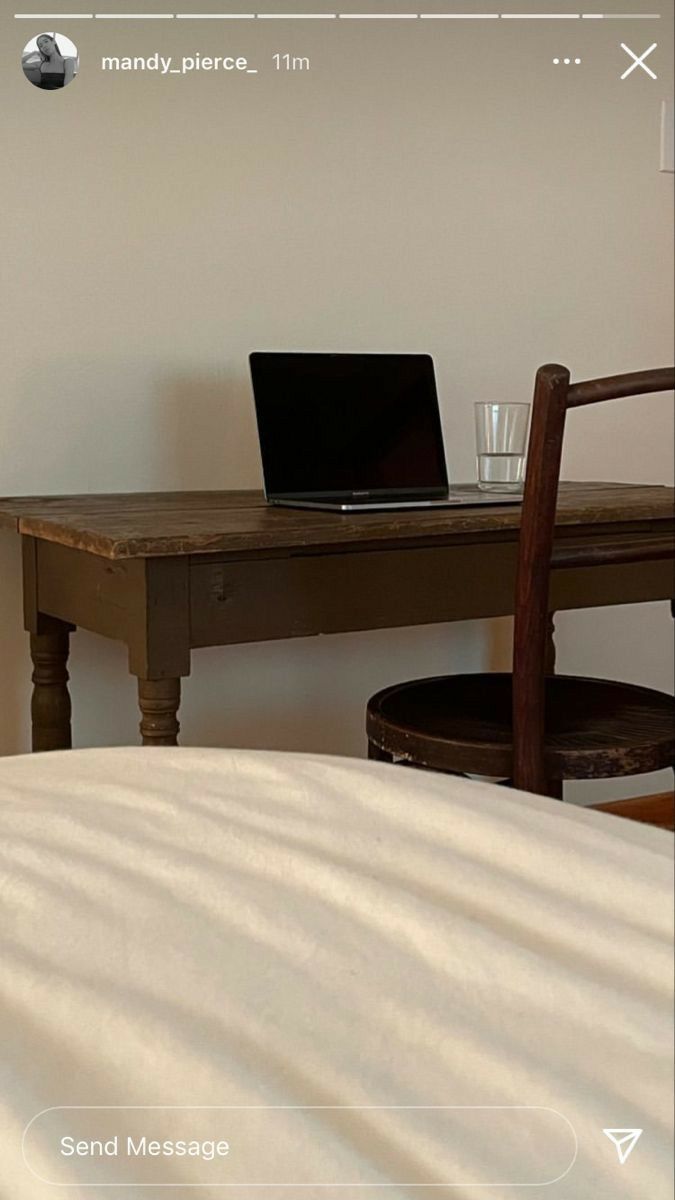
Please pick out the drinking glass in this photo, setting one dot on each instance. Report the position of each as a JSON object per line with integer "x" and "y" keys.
{"x": 501, "y": 443}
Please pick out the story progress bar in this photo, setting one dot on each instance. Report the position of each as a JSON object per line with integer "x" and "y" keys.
{"x": 400, "y": 16}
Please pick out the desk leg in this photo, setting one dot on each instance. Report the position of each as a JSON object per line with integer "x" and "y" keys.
{"x": 159, "y": 700}
{"x": 50, "y": 706}
{"x": 159, "y": 647}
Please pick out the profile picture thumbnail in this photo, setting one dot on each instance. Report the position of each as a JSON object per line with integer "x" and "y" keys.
{"x": 50, "y": 61}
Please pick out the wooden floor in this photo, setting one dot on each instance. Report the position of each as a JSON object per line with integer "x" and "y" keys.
{"x": 653, "y": 810}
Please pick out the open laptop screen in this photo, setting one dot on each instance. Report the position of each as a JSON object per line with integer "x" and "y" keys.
{"x": 340, "y": 424}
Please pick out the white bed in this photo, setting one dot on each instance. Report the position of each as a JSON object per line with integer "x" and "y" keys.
{"x": 415, "y": 973}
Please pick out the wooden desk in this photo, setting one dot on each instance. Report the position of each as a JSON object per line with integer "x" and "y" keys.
{"x": 168, "y": 572}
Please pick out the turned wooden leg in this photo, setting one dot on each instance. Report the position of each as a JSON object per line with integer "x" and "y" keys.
{"x": 159, "y": 700}
{"x": 50, "y": 706}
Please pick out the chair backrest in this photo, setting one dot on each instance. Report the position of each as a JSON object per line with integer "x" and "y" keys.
{"x": 553, "y": 396}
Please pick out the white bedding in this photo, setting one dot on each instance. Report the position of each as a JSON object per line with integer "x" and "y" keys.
{"x": 215, "y": 928}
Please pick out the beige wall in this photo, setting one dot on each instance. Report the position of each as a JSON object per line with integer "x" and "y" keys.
{"x": 440, "y": 188}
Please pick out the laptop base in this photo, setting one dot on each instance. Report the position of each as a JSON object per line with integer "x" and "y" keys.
{"x": 467, "y": 496}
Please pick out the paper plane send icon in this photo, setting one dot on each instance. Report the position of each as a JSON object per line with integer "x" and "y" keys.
{"x": 625, "y": 1141}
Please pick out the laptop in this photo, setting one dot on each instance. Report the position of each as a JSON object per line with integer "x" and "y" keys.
{"x": 354, "y": 433}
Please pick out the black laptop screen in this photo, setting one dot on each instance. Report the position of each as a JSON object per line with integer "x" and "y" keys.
{"x": 334, "y": 424}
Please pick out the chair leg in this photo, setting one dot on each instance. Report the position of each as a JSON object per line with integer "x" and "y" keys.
{"x": 554, "y": 787}
{"x": 378, "y": 755}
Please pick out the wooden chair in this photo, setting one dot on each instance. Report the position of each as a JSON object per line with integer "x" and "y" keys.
{"x": 534, "y": 729}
